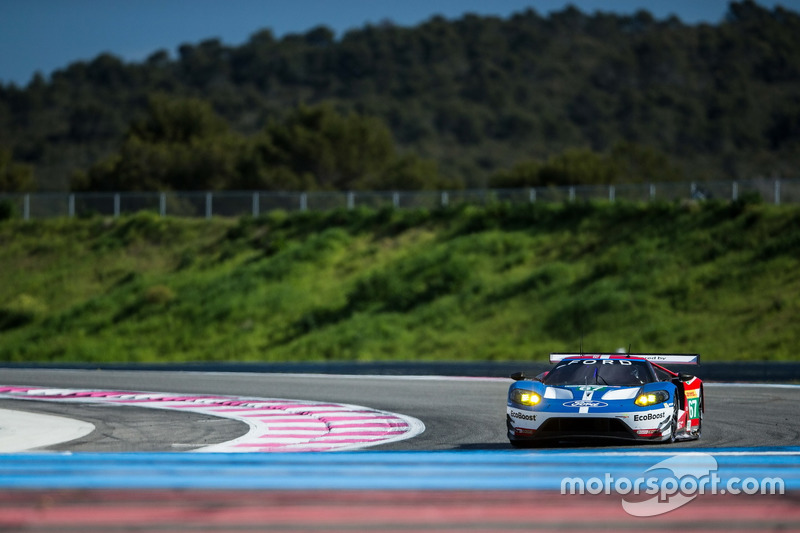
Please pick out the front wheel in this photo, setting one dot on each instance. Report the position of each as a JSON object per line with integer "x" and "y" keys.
{"x": 673, "y": 426}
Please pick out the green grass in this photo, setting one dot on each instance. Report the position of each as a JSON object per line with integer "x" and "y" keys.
{"x": 498, "y": 282}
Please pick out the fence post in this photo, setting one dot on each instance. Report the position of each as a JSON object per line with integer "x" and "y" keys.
{"x": 162, "y": 204}
{"x": 116, "y": 205}
{"x": 532, "y": 195}
{"x": 572, "y": 193}
{"x": 208, "y": 205}
{"x": 735, "y": 191}
{"x": 652, "y": 192}
{"x": 71, "y": 204}
{"x": 445, "y": 199}
{"x": 350, "y": 200}
{"x": 303, "y": 201}
{"x": 777, "y": 191}
{"x": 612, "y": 193}
{"x": 396, "y": 199}
{"x": 26, "y": 207}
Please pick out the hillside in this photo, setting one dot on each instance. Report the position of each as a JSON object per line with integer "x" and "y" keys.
{"x": 473, "y": 96}
{"x": 470, "y": 283}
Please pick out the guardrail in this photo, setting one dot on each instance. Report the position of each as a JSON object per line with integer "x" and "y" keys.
{"x": 719, "y": 371}
{"x": 240, "y": 203}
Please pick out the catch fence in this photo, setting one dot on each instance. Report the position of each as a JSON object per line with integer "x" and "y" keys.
{"x": 254, "y": 203}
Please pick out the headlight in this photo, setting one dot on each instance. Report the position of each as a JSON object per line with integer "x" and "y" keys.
{"x": 525, "y": 397}
{"x": 652, "y": 398}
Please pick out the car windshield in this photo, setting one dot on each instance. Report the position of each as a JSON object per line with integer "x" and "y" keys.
{"x": 614, "y": 372}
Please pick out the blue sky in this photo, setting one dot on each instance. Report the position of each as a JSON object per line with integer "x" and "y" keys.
{"x": 46, "y": 35}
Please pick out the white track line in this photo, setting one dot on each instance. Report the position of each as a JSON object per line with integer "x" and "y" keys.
{"x": 326, "y": 426}
{"x": 21, "y": 431}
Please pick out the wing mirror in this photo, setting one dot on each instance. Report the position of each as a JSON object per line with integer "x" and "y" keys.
{"x": 686, "y": 377}
{"x": 519, "y": 376}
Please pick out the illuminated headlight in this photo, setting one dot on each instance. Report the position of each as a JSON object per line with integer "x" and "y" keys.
{"x": 652, "y": 398}
{"x": 525, "y": 397}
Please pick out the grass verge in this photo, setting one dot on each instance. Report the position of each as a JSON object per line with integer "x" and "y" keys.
{"x": 499, "y": 282}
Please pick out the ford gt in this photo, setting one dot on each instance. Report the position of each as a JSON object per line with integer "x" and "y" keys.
{"x": 613, "y": 396}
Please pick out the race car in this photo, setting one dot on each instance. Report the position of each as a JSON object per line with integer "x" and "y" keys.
{"x": 607, "y": 395}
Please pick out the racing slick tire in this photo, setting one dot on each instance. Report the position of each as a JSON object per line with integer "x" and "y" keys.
{"x": 673, "y": 425}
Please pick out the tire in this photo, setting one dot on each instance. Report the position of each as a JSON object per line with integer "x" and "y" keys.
{"x": 674, "y": 423}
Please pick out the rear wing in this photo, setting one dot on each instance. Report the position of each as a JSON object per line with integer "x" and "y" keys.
{"x": 659, "y": 358}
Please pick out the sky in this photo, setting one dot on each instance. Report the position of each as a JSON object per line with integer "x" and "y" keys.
{"x": 47, "y": 35}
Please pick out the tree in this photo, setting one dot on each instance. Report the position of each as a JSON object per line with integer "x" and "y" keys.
{"x": 475, "y": 93}
{"x": 14, "y": 176}
{"x": 179, "y": 144}
{"x": 635, "y": 163}
{"x": 184, "y": 145}
{"x": 341, "y": 152}
{"x": 170, "y": 120}
{"x": 624, "y": 163}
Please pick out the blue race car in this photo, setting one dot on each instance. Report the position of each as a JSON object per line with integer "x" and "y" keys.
{"x": 606, "y": 395}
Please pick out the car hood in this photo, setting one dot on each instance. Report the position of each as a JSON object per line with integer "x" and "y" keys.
{"x": 596, "y": 392}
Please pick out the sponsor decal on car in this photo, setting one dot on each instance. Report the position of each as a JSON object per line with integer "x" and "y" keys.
{"x": 694, "y": 393}
{"x": 522, "y": 416}
{"x": 585, "y": 403}
{"x": 648, "y": 416}
{"x": 694, "y": 408}
{"x": 595, "y": 361}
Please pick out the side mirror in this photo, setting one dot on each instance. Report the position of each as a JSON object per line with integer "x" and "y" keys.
{"x": 518, "y": 376}
{"x": 686, "y": 377}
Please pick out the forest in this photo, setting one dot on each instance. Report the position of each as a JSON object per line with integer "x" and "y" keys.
{"x": 528, "y": 100}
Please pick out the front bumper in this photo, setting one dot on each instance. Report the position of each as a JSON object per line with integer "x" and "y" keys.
{"x": 526, "y": 425}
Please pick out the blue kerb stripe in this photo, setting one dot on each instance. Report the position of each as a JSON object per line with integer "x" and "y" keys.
{"x": 488, "y": 470}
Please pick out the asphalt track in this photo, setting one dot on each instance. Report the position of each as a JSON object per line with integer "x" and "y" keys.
{"x": 460, "y": 415}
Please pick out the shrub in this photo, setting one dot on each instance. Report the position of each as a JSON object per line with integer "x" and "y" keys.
{"x": 411, "y": 282}
{"x": 159, "y": 295}
{"x": 20, "y": 311}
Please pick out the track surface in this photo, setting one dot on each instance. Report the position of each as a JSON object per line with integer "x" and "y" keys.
{"x": 458, "y": 414}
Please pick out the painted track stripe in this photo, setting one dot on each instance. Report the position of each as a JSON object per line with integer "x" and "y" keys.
{"x": 246, "y": 511}
{"x": 21, "y": 431}
{"x": 357, "y": 470}
{"x": 274, "y": 424}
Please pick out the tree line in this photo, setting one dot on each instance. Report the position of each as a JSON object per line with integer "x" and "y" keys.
{"x": 184, "y": 145}
{"x": 477, "y": 101}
